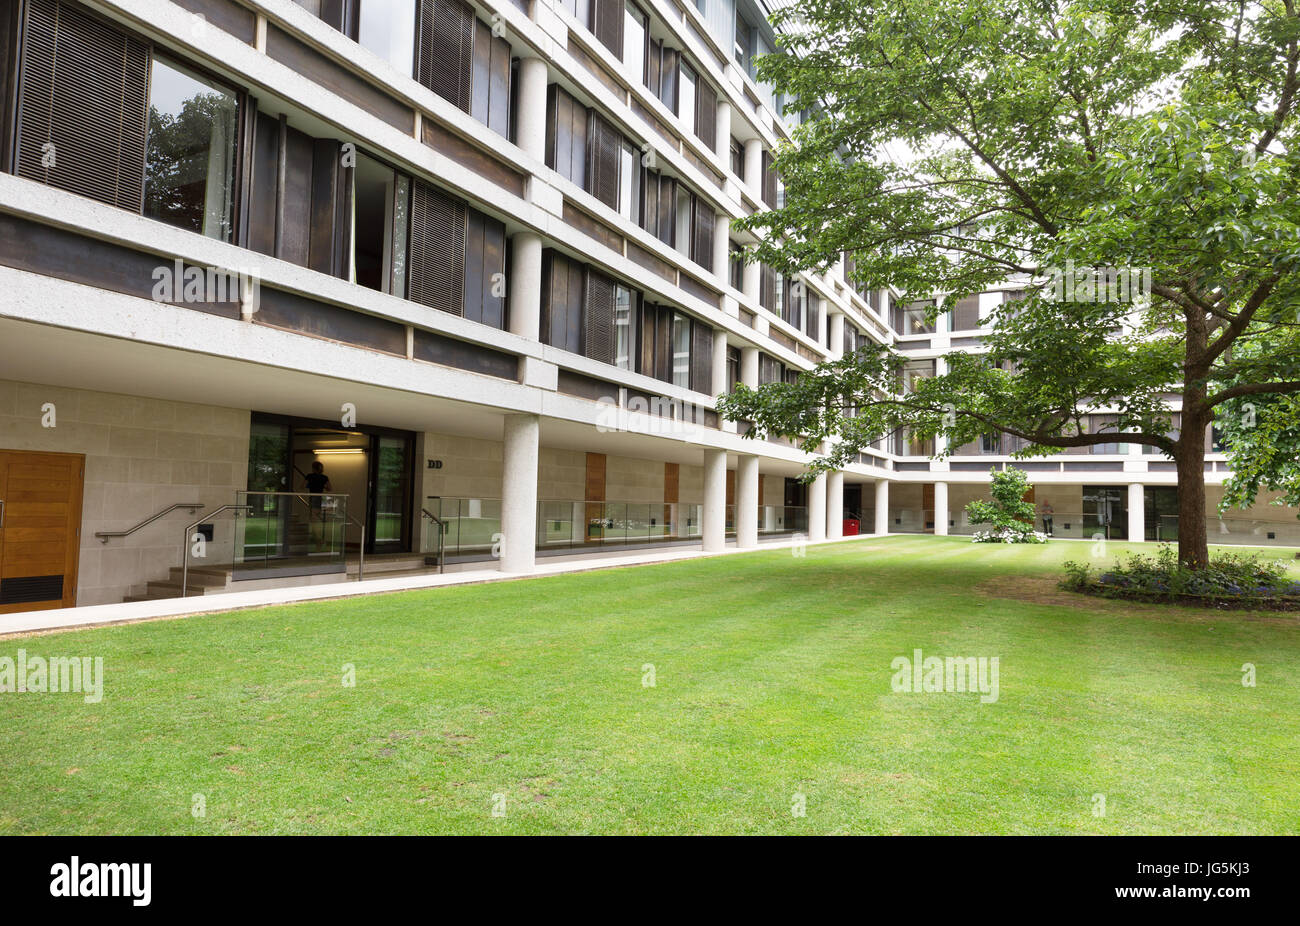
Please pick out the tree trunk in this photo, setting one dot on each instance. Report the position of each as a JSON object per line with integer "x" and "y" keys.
{"x": 1193, "y": 542}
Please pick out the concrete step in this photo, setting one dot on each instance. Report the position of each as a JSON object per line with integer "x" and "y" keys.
{"x": 212, "y": 576}
{"x": 156, "y": 590}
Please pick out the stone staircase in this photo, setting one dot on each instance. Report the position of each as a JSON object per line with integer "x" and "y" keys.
{"x": 215, "y": 580}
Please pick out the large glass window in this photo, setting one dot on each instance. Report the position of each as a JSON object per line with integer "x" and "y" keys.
{"x": 623, "y": 328}
{"x": 387, "y": 28}
{"x": 372, "y": 216}
{"x": 685, "y": 209}
{"x": 686, "y": 96}
{"x": 189, "y": 175}
{"x": 629, "y": 183}
{"x": 681, "y": 351}
{"x": 634, "y": 41}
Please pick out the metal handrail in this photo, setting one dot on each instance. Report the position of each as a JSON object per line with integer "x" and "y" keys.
{"x": 104, "y": 536}
{"x": 185, "y": 546}
{"x": 442, "y": 527}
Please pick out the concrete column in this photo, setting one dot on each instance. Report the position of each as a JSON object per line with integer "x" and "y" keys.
{"x": 1137, "y": 513}
{"x": 941, "y": 509}
{"x": 882, "y": 506}
{"x": 713, "y": 521}
{"x": 531, "y": 133}
{"x": 817, "y": 508}
{"x": 719, "y": 378}
{"x": 821, "y": 322}
{"x": 835, "y": 336}
{"x": 722, "y": 144}
{"x": 835, "y": 505}
{"x": 519, "y": 493}
{"x": 749, "y": 366}
{"x": 754, "y": 168}
{"x": 722, "y": 250}
{"x": 747, "y": 501}
{"x": 751, "y": 278}
{"x": 525, "y": 308}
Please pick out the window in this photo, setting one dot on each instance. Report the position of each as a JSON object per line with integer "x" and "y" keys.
{"x": 991, "y": 443}
{"x": 387, "y": 28}
{"x": 489, "y": 78}
{"x": 373, "y": 202}
{"x": 629, "y": 183}
{"x": 737, "y": 255}
{"x": 566, "y": 136}
{"x": 685, "y": 209}
{"x": 912, "y": 318}
{"x": 681, "y": 351}
{"x": 737, "y": 159}
{"x": 744, "y": 47}
{"x": 624, "y": 328}
{"x": 634, "y": 42}
{"x": 686, "y": 95}
{"x": 189, "y": 174}
{"x": 966, "y": 314}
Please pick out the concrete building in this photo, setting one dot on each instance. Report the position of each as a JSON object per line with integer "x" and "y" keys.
{"x": 451, "y": 283}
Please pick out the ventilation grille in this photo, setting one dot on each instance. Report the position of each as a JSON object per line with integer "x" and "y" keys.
{"x": 84, "y": 90}
{"x": 31, "y": 588}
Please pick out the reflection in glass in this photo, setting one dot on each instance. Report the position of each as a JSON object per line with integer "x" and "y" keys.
{"x": 387, "y": 28}
{"x": 190, "y": 156}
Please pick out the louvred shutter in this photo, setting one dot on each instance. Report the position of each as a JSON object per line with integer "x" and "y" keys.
{"x": 607, "y": 23}
{"x": 598, "y": 317}
{"x": 437, "y": 250}
{"x": 706, "y": 114}
{"x": 702, "y": 247}
{"x": 446, "y": 31}
{"x": 701, "y": 357}
{"x": 602, "y": 173}
{"x": 83, "y": 105}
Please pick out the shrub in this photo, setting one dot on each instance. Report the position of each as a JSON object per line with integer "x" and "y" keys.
{"x": 1230, "y": 578}
{"x": 1011, "y": 517}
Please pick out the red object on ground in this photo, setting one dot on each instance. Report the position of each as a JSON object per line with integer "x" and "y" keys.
{"x": 851, "y": 526}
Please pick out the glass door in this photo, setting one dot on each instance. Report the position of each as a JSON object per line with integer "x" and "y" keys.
{"x": 390, "y": 491}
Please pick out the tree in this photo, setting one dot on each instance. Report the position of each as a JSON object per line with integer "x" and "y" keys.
{"x": 949, "y": 145}
{"x": 1008, "y": 514}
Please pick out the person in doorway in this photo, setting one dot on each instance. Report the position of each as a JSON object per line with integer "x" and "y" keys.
{"x": 1046, "y": 512}
{"x": 317, "y": 484}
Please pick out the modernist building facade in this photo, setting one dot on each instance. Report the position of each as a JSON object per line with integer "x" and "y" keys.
{"x": 469, "y": 262}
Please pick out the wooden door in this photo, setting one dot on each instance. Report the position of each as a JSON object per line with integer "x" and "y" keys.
{"x": 927, "y": 505}
{"x": 40, "y": 529}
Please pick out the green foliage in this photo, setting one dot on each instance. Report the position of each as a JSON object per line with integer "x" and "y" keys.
{"x": 955, "y": 144}
{"x": 1229, "y": 577}
{"x": 1010, "y": 517}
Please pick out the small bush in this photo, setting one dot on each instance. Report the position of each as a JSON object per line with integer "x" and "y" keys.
{"x": 1231, "y": 579}
{"x": 1007, "y": 534}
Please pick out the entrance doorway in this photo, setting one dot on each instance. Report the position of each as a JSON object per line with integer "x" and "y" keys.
{"x": 372, "y": 466}
{"x": 1105, "y": 512}
{"x": 1161, "y": 513}
{"x": 40, "y": 529}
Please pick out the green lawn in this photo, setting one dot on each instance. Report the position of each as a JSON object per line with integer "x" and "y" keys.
{"x": 772, "y": 679}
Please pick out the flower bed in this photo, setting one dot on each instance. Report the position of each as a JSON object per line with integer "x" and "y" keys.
{"x": 1231, "y": 581}
{"x": 1009, "y": 535}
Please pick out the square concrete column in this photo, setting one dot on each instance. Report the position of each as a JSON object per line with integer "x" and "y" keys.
{"x": 941, "y": 509}
{"x": 713, "y": 521}
{"x": 531, "y": 131}
{"x": 835, "y": 505}
{"x": 749, "y": 366}
{"x": 519, "y": 493}
{"x": 747, "y": 501}
{"x": 1137, "y": 513}
{"x": 882, "y": 506}
{"x": 525, "y": 302}
{"x": 817, "y": 508}
{"x": 822, "y": 333}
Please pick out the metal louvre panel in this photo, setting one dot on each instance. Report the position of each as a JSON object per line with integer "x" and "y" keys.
{"x": 767, "y": 287}
{"x": 769, "y": 180}
{"x": 598, "y": 317}
{"x": 84, "y": 88}
{"x": 437, "y": 250}
{"x": 668, "y": 78}
{"x": 706, "y": 113}
{"x": 702, "y": 246}
{"x": 445, "y": 48}
{"x": 607, "y": 24}
{"x": 701, "y": 357}
{"x": 602, "y": 175}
